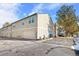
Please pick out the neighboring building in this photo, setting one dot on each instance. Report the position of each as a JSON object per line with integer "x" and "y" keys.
{"x": 59, "y": 31}
{"x": 36, "y": 26}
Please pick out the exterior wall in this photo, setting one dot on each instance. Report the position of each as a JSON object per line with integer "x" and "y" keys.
{"x": 26, "y": 28}
{"x": 0, "y": 32}
{"x": 51, "y": 26}
{"x": 7, "y": 31}
{"x": 43, "y": 25}
{"x": 21, "y": 29}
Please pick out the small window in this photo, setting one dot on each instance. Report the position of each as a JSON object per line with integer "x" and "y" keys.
{"x": 13, "y": 26}
{"x": 22, "y": 23}
{"x": 29, "y": 21}
{"x": 32, "y": 21}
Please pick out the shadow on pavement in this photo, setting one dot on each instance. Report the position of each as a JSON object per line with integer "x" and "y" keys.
{"x": 20, "y": 39}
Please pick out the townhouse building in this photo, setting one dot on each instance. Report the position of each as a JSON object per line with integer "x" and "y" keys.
{"x": 35, "y": 26}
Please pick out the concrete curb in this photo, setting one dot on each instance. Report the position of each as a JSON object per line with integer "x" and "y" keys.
{"x": 45, "y": 40}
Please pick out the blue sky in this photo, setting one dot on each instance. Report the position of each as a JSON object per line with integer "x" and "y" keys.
{"x": 48, "y": 8}
{"x": 13, "y": 12}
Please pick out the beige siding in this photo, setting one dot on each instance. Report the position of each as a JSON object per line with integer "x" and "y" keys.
{"x": 6, "y": 32}
{"x": 38, "y": 28}
{"x": 26, "y": 30}
{"x": 43, "y": 24}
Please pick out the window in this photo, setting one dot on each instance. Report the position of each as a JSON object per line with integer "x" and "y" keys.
{"x": 13, "y": 26}
{"x": 31, "y": 20}
{"x": 50, "y": 32}
{"x": 22, "y": 23}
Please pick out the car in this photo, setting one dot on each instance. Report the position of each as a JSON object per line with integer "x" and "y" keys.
{"x": 76, "y": 40}
{"x": 75, "y": 47}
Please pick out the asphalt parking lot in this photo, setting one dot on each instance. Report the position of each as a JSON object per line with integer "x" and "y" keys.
{"x": 33, "y": 48}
